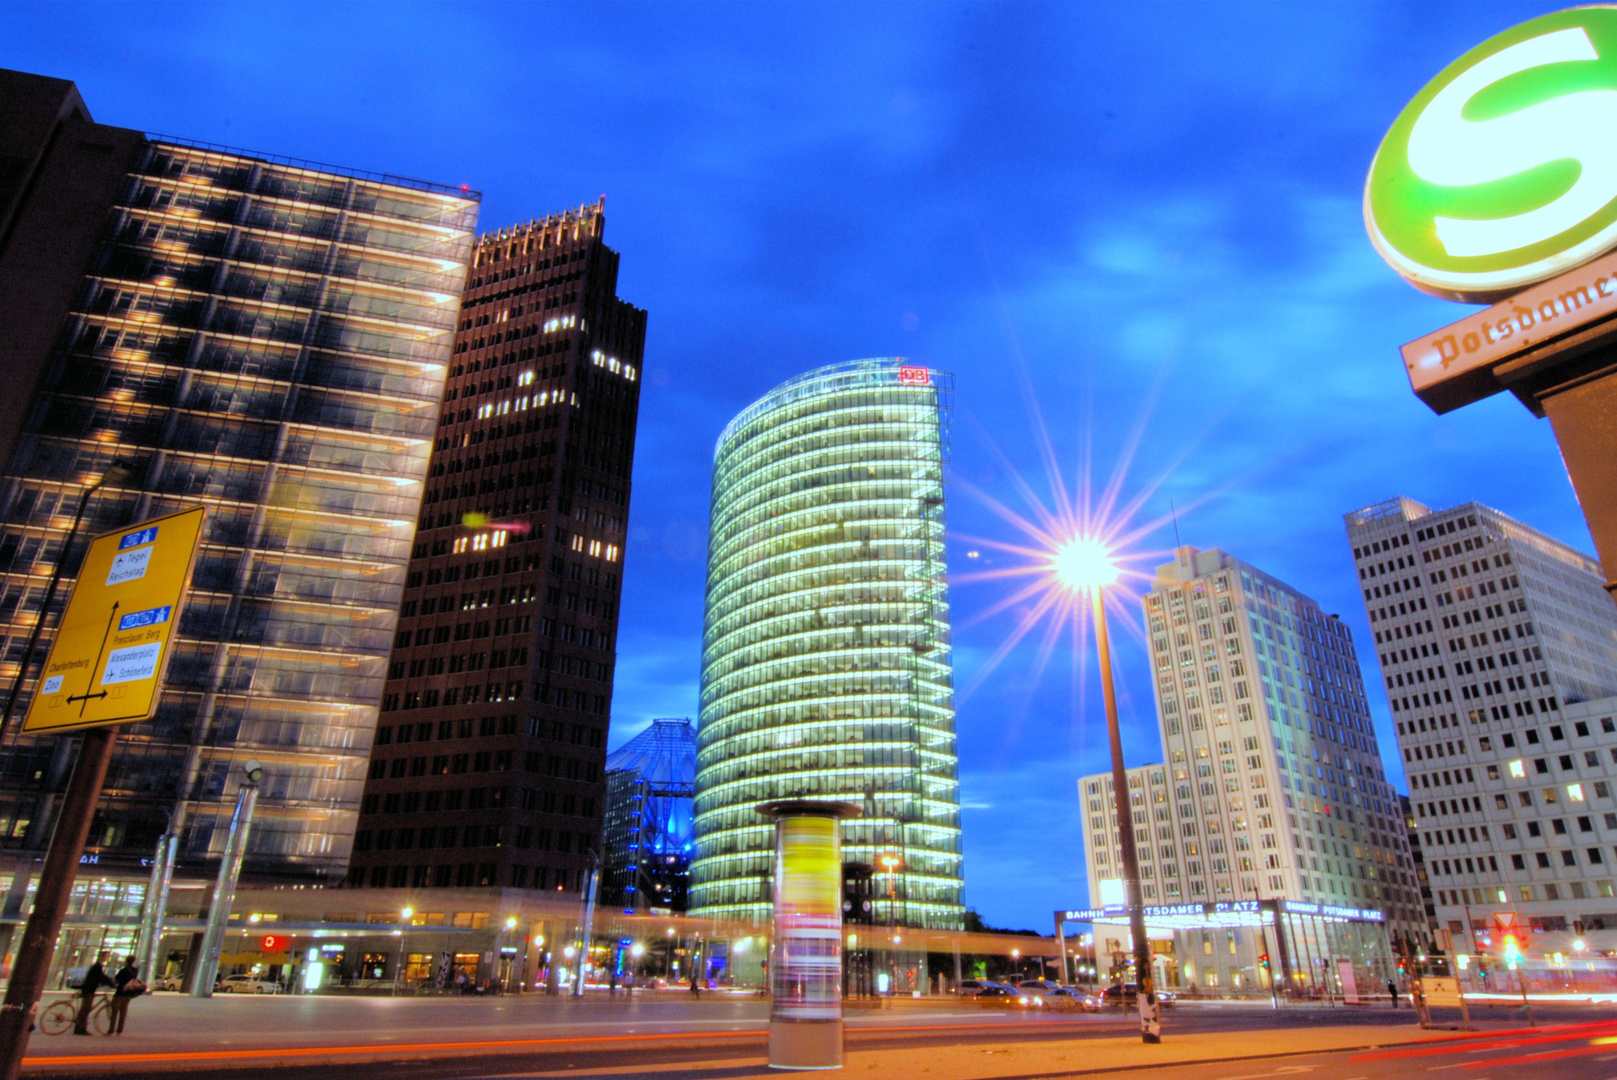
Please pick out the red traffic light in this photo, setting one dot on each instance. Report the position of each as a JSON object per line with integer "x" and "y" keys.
{"x": 1264, "y": 959}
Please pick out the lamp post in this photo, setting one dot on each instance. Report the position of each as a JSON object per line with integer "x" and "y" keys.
{"x": 892, "y": 863}
{"x": 405, "y": 915}
{"x": 1085, "y": 565}
{"x": 117, "y": 473}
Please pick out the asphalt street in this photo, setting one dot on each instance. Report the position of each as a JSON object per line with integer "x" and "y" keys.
{"x": 723, "y": 1038}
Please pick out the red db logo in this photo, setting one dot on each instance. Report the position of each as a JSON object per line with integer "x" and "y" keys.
{"x": 914, "y": 376}
{"x": 276, "y": 942}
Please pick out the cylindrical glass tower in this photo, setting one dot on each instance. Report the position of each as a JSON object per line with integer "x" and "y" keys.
{"x": 826, "y": 664}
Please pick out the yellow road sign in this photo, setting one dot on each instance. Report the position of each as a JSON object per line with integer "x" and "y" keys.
{"x": 106, "y": 664}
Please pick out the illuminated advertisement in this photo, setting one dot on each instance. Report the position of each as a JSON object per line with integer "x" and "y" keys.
{"x": 806, "y": 976}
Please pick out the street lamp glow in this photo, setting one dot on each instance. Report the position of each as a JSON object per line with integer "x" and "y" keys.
{"x": 511, "y": 923}
{"x": 1084, "y": 563}
{"x": 406, "y": 913}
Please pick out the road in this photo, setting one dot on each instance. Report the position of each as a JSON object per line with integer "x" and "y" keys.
{"x": 722, "y": 1038}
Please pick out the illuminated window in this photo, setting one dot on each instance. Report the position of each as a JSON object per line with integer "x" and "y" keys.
{"x": 460, "y": 544}
{"x": 1518, "y": 769}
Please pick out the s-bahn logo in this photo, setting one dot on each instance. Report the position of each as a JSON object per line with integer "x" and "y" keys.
{"x": 914, "y": 376}
{"x": 1502, "y": 171}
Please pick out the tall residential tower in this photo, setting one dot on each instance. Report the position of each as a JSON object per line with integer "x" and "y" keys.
{"x": 487, "y": 769}
{"x": 826, "y": 664}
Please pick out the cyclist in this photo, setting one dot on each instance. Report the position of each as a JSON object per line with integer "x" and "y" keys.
{"x": 94, "y": 979}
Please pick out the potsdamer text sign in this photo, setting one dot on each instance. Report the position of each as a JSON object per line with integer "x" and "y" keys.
{"x": 1454, "y": 366}
{"x": 107, "y": 662}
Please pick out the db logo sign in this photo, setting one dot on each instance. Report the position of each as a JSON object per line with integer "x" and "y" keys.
{"x": 914, "y": 376}
{"x": 276, "y": 942}
{"x": 1503, "y": 170}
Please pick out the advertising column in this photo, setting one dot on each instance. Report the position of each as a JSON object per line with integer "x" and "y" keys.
{"x": 805, "y": 971}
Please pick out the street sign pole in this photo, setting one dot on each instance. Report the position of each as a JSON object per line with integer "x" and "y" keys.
{"x": 51, "y": 900}
{"x": 105, "y": 667}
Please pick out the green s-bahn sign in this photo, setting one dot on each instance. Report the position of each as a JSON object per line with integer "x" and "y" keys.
{"x": 1502, "y": 171}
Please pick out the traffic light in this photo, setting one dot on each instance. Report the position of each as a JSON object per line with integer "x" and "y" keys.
{"x": 1513, "y": 951}
{"x": 1264, "y": 960}
{"x": 1403, "y": 967}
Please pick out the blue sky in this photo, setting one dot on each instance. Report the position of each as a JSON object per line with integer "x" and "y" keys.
{"x": 1115, "y": 211}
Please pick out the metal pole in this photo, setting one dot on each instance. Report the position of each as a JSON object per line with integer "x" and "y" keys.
{"x": 51, "y": 900}
{"x": 1061, "y": 933}
{"x": 224, "y": 892}
{"x": 148, "y": 909}
{"x": 1150, "y": 1010}
{"x": 589, "y": 920}
{"x": 161, "y": 912}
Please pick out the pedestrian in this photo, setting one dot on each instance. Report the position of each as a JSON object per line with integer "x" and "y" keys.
{"x": 128, "y": 988}
{"x": 94, "y": 979}
{"x": 1392, "y": 992}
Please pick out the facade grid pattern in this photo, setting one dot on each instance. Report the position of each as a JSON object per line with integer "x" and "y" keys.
{"x": 1498, "y": 646}
{"x": 827, "y": 671}
{"x": 1273, "y": 785}
{"x": 269, "y": 340}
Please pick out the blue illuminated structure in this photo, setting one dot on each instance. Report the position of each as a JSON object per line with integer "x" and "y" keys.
{"x": 650, "y": 832}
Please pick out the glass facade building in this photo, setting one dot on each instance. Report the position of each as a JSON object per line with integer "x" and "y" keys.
{"x": 826, "y": 666}
{"x": 648, "y": 834}
{"x": 268, "y": 338}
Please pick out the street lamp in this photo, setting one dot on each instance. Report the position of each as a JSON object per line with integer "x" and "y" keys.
{"x": 119, "y": 472}
{"x": 1085, "y": 565}
{"x": 891, "y": 863}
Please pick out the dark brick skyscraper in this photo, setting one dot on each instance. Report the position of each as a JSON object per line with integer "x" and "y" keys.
{"x": 487, "y": 767}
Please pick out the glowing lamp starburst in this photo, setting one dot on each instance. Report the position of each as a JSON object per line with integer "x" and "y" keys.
{"x": 1085, "y": 563}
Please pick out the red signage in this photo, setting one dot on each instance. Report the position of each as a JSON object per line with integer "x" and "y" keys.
{"x": 914, "y": 376}
{"x": 1505, "y": 921}
{"x": 276, "y": 942}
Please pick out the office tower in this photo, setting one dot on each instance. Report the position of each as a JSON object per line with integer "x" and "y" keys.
{"x": 649, "y": 833}
{"x": 487, "y": 768}
{"x": 826, "y": 664}
{"x": 1499, "y": 649}
{"x": 1273, "y": 785}
{"x": 264, "y": 336}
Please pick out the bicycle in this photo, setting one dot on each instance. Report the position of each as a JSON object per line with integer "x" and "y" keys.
{"x": 57, "y": 1018}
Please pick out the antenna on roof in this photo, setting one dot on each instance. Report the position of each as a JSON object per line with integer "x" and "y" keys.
{"x": 1175, "y": 512}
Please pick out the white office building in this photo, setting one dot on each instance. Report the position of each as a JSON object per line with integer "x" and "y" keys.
{"x": 1498, "y": 646}
{"x": 1273, "y": 786}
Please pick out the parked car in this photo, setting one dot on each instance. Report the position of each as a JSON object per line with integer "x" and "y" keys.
{"x": 1125, "y": 994}
{"x": 164, "y": 982}
{"x": 247, "y": 984}
{"x": 995, "y": 994}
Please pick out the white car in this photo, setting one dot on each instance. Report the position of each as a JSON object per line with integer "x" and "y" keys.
{"x": 247, "y": 984}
